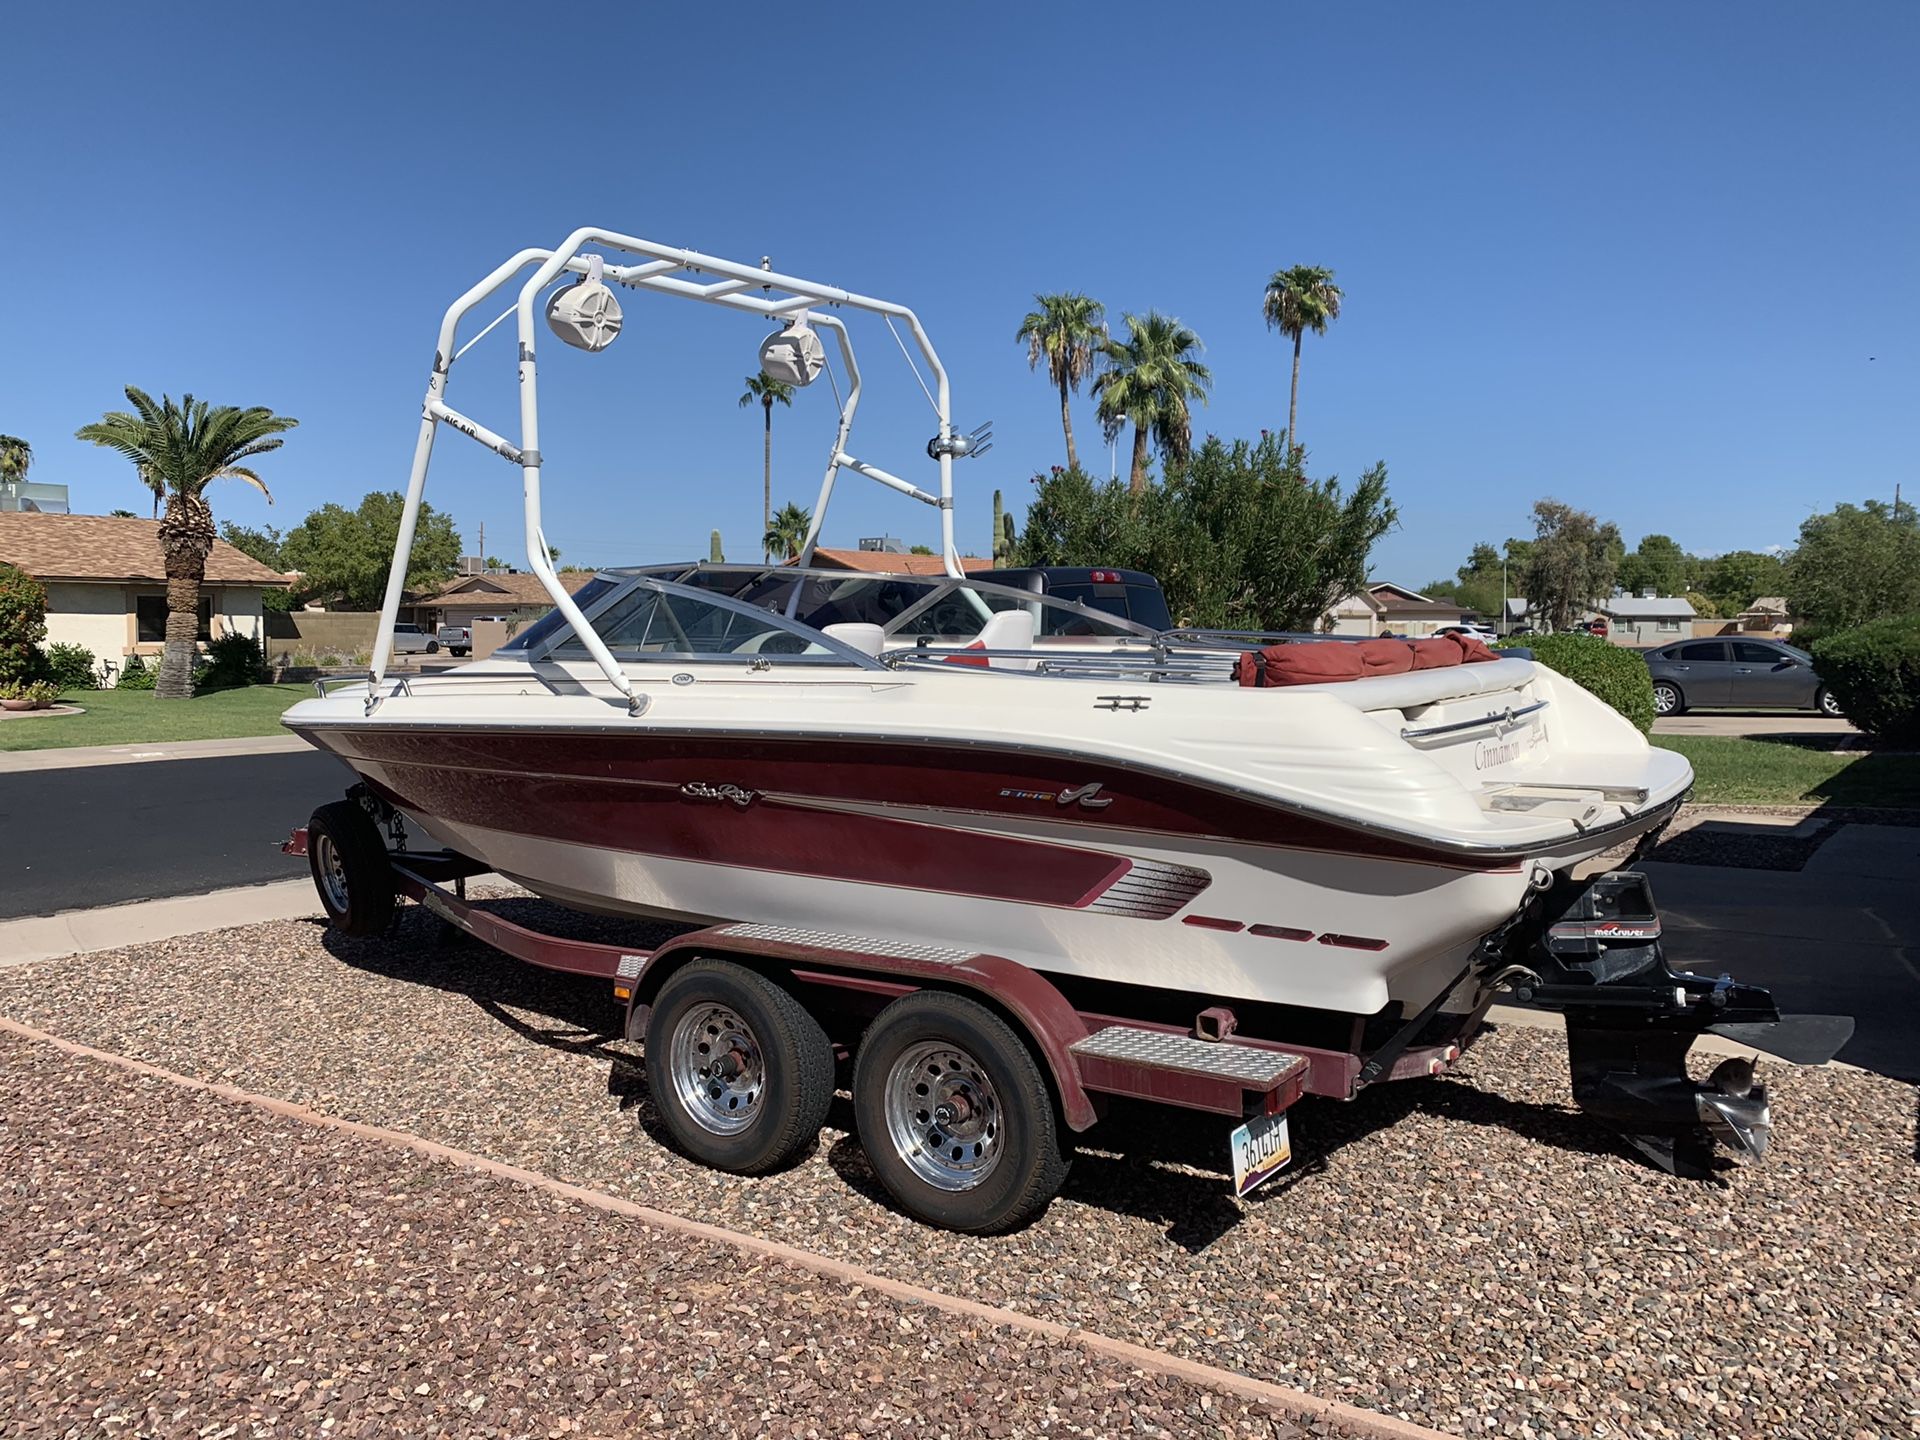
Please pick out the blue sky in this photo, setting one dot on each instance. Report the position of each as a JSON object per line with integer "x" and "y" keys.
{"x": 1634, "y": 256}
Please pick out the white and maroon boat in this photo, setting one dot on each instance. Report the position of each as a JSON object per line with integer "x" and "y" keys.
{"x": 1152, "y": 822}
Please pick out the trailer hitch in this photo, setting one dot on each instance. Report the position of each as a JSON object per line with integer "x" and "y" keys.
{"x": 1631, "y": 1019}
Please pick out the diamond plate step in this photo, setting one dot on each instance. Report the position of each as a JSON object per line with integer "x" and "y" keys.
{"x": 1184, "y": 1055}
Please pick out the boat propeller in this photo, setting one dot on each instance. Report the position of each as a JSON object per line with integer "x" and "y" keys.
{"x": 1631, "y": 1019}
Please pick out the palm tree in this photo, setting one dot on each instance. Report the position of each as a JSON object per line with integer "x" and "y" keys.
{"x": 1298, "y": 300}
{"x": 764, "y": 388}
{"x": 16, "y": 455}
{"x": 788, "y": 531}
{"x": 1150, "y": 379}
{"x": 179, "y": 450}
{"x": 1067, "y": 331}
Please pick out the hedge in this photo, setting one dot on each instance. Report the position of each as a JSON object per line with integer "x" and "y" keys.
{"x": 1874, "y": 672}
{"x": 1617, "y": 676}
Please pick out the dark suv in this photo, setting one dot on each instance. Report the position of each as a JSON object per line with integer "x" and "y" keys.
{"x": 1737, "y": 672}
{"x": 1131, "y": 594}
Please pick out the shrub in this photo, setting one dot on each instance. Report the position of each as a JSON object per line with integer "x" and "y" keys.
{"x": 232, "y": 661}
{"x": 1874, "y": 672}
{"x": 72, "y": 667}
{"x": 329, "y": 662}
{"x": 23, "y": 622}
{"x": 1617, "y": 676}
{"x": 134, "y": 675}
{"x": 40, "y": 692}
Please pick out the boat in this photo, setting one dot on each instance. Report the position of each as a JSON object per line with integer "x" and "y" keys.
{"x": 1153, "y": 821}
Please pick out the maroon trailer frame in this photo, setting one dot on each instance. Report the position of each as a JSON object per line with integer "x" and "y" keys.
{"x": 1089, "y": 1055}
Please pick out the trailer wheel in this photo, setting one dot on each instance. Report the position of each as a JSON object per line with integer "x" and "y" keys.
{"x": 955, "y": 1116}
{"x": 350, "y": 868}
{"x": 741, "y": 1074}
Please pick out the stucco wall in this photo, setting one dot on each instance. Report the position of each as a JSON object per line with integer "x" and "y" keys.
{"x": 91, "y": 615}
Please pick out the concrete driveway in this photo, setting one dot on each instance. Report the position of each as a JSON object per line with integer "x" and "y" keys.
{"x": 1755, "y": 723}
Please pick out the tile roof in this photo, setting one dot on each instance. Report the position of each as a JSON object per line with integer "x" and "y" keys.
{"x": 520, "y": 588}
{"x": 888, "y": 562}
{"x": 103, "y": 547}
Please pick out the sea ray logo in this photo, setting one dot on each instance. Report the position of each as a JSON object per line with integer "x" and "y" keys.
{"x": 1089, "y": 797}
{"x": 701, "y": 790}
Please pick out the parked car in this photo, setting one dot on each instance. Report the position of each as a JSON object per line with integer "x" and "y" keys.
{"x": 1750, "y": 674}
{"x": 459, "y": 638}
{"x": 1475, "y": 628}
{"x": 1130, "y": 594}
{"x": 412, "y": 640}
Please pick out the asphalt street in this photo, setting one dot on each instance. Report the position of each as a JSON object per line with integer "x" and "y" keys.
{"x": 105, "y": 834}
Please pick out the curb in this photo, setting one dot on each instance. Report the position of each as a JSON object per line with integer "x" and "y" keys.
{"x": 1296, "y": 1403}
{"x": 35, "y": 938}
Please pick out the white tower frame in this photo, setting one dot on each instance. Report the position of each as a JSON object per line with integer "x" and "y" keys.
{"x": 665, "y": 270}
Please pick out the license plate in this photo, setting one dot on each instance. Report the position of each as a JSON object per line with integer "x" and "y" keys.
{"x": 1261, "y": 1150}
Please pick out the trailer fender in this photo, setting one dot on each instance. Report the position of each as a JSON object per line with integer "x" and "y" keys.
{"x": 1025, "y": 997}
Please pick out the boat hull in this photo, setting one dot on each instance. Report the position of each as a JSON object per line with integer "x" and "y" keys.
{"x": 1086, "y": 870}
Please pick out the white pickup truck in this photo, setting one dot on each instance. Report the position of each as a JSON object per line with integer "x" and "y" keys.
{"x": 459, "y": 638}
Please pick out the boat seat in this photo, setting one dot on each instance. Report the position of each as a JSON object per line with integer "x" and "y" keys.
{"x": 1426, "y": 687}
{"x": 857, "y": 635}
{"x": 1007, "y": 630}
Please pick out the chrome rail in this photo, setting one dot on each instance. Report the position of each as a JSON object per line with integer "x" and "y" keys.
{"x": 1179, "y": 667}
{"x": 1498, "y": 717}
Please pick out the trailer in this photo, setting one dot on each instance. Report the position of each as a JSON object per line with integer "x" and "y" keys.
{"x": 970, "y": 1073}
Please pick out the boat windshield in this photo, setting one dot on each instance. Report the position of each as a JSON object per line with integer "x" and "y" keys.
{"x": 642, "y": 618}
{"x": 909, "y": 609}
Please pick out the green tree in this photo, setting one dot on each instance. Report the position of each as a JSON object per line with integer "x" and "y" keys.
{"x": 788, "y": 532}
{"x": 1739, "y": 577}
{"x": 1658, "y": 564}
{"x": 764, "y": 390}
{"x": 177, "y": 451}
{"x": 23, "y": 623}
{"x": 1856, "y": 563}
{"x": 1238, "y": 535}
{"x": 122, "y": 515}
{"x": 1067, "y": 331}
{"x": 1150, "y": 380}
{"x": 16, "y": 458}
{"x": 262, "y": 543}
{"x": 1300, "y": 299}
{"x": 349, "y": 552}
{"x": 1570, "y": 565}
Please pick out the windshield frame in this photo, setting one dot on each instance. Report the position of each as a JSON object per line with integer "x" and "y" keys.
{"x": 838, "y": 654}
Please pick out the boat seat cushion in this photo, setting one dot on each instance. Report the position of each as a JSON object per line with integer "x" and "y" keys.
{"x": 1331, "y": 662}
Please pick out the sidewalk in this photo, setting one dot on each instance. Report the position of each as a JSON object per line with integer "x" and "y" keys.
{"x": 73, "y": 757}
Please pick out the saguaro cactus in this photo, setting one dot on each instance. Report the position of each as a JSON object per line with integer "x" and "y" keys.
{"x": 713, "y": 548}
{"x": 1003, "y": 536}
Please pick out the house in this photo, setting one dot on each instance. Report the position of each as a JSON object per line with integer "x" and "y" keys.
{"x": 891, "y": 562}
{"x": 1766, "y": 616}
{"x": 1384, "y": 608}
{"x": 1642, "y": 621}
{"x": 460, "y": 600}
{"x": 107, "y": 583}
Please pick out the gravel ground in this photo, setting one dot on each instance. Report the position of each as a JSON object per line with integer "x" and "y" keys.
{"x": 172, "y": 1264}
{"x": 1466, "y": 1252}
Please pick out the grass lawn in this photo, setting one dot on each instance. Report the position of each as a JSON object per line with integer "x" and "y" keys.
{"x": 134, "y": 717}
{"x": 1733, "y": 771}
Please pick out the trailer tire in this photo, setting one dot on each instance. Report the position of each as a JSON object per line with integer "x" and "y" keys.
{"x": 955, "y": 1115}
{"x": 350, "y": 868}
{"x": 766, "y": 1110}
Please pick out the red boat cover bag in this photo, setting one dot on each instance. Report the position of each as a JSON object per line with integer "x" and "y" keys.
{"x": 1435, "y": 654}
{"x": 1306, "y": 664}
{"x": 1472, "y": 648}
{"x": 1385, "y": 657}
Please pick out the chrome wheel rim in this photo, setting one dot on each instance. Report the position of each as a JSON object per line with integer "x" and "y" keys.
{"x": 332, "y": 872}
{"x": 943, "y": 1116}
{"x": 1662, "y": 700}
{"x": 718, "y": 1070}
{"x": 1829, "y": 705}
